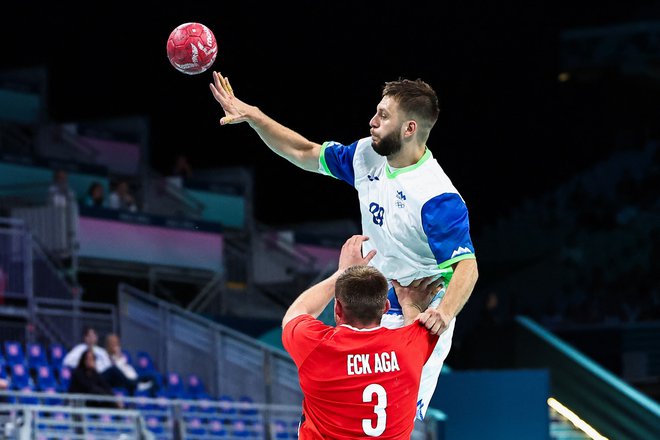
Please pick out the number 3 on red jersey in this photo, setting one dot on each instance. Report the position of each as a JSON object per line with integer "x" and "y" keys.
{"x": 379, "y": 409}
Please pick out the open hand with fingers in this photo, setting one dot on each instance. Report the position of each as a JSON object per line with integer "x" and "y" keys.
{"x": 351, "y": 253}
{"x": 235, "y": 109}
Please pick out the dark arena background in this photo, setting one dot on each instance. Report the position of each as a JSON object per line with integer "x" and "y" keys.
{"x": 549, "y": 129}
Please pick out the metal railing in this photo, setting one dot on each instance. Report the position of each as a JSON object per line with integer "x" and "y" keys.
{"x": 43, "y": 303}
{"x": 177, "y": 339}
{"x": 603, "y": 400}
{"x": 32, "y": 414}
{"x": 23, "y": 421}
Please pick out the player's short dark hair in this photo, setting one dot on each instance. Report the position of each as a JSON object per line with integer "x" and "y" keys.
{"x": 362, "y": 291}
{"x": 416, "y": 98}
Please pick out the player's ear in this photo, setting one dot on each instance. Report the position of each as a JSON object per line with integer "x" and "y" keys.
{"x": 387, "y": 306}
{"x": 339, "y": 311}
{"x": 410, "y": 128}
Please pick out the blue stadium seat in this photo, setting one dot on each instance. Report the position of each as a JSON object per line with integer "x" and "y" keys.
{"x": 216, "y": 429}
{"x": 14, "y": 353}
{"x": 248, "y": 411}
{"x": 64, "y": 378}
{"x": 101, "y": 426}
{"x": 196, "y": 387}
{"x": 226, "y": 407}
{"x": 154, "y": 424}
{"x": 157, "y": 403}
{"x": 36, "y": 356}
{"x": 280, "y": 429}
{"x": 241, "y": 429}
{"x": 147, "y": 370}
{"x": 203, "y": 404}
{"x": 21, "y": 380}
{"x": 194, "y": 426}
{"x": 55, "y": 400}
{"x": 57, "y": 353}
{"x": 60, "y": 422}
{"x": 175, "y": 388}
{"x": 45, "y": 378}
{"x": 145, "y": 363}
{"x": 141, "y": 402}
{"x": 20, "y": 377}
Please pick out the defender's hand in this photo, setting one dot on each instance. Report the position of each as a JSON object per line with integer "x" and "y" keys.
{"x": 351, "y": 253}
{"x": 434, "y": 320}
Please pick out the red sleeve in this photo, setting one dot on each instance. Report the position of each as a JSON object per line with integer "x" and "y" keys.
{"x": 302, "y": 335}
{"x": 424, "y": 340}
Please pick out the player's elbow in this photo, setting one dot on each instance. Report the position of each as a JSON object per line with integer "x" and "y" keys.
{"x": 288, "y": 316}
{"x": 307, "y": 156}
{"x": 474, "y": 272}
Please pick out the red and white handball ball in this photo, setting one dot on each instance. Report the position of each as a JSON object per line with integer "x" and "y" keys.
{"x": 191, "y": 48}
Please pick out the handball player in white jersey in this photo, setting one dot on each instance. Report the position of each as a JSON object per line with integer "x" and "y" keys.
{"x": 409, "y": 208}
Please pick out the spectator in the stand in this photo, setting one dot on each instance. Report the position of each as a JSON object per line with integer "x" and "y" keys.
{"x": 59, "y": 191}
{"x": 121, "y": 197}
{"x": 95, "y": 197}
{"x": 90, "y": 341}
{"x": 85, "y": 379}
{"x": 121, "y": 373}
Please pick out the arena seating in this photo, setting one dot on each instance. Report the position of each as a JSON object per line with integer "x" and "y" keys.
{"x": 39, "y": 379}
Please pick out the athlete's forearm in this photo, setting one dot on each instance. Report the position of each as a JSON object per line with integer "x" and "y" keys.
{"x": 410, "y": 312}
{"x": 313, "y": 300}
{"x": 460, "y": 288}
{"x": 285, "y": 142}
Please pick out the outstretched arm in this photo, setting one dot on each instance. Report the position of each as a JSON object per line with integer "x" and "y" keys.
{"x": 458, "y": 292}
{"x": 282, "y": 140}
{"x": 315, "y": 299}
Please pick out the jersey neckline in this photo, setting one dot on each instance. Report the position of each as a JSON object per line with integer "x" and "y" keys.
{"x": 391, "y": 174}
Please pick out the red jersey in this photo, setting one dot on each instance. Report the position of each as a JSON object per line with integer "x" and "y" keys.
{"x": 357, "y": 383}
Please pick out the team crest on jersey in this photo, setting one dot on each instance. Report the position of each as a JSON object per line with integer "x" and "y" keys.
{"x": 400, "y": 197}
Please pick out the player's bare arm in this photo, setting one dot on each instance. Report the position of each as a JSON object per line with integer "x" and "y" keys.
{"x": 458, "y": 292}
{"x": 416, "y": 297}
{"x": 283, "y": 141}
{"x": 315, "y": 299}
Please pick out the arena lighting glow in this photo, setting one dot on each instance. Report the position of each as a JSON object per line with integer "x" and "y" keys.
{"x": 575, "y": 420}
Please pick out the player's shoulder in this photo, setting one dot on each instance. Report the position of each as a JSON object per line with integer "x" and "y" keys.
{"x": 366, "y": 159}
{"x": 360, "y": 144}
{"x": 415, "y": 332}
{"x": 430, "y": 180}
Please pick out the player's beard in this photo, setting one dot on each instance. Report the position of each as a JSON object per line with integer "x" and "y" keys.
{"x": 388, "y": 145}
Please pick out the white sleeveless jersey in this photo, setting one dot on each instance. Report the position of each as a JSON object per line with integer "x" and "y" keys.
{"x": 413, "y": 216}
